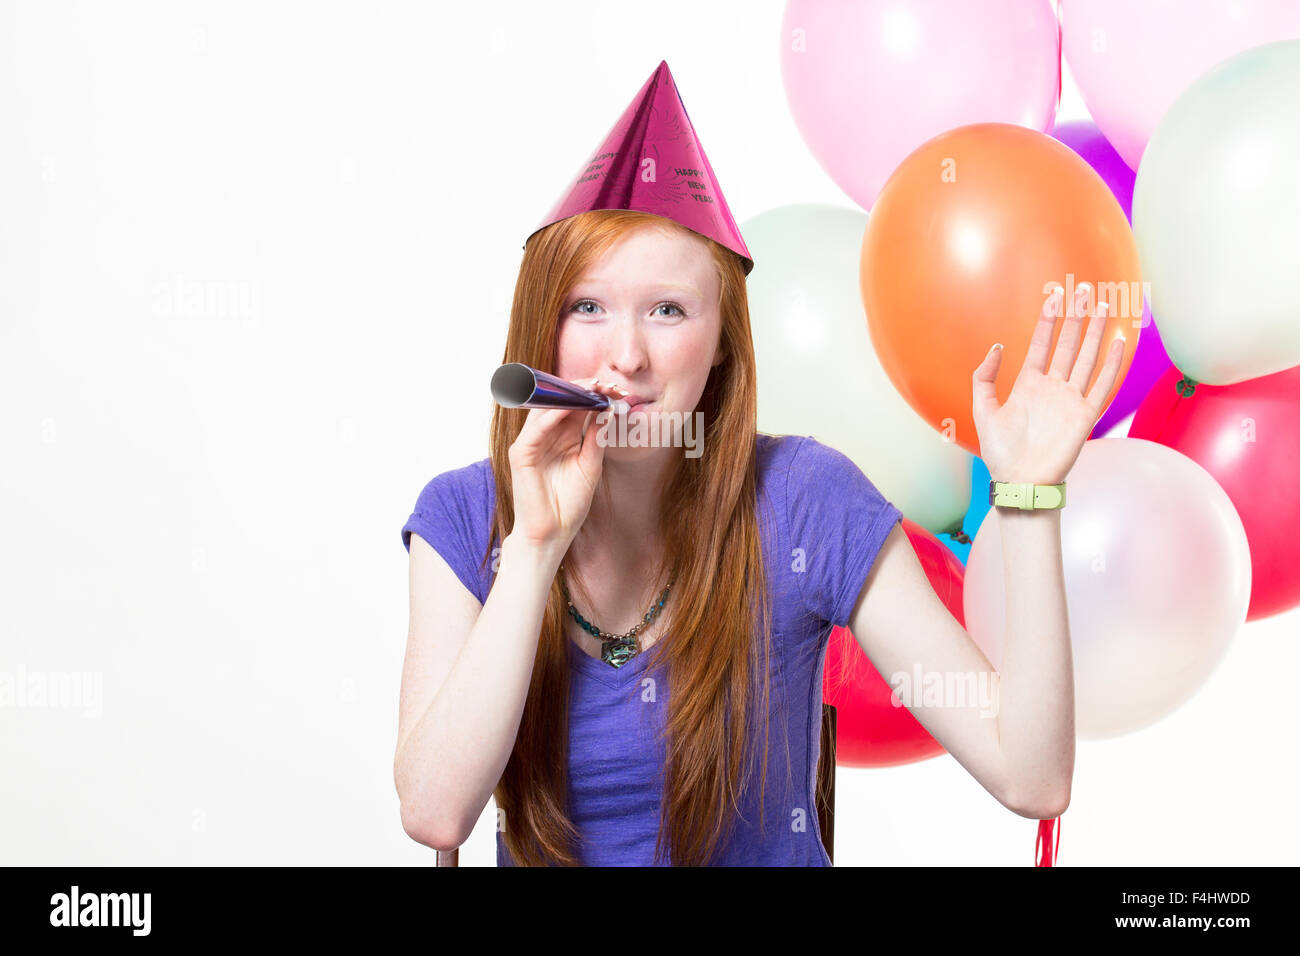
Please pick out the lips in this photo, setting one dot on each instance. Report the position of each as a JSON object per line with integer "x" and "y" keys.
{"x": 639, "y": 406}
{"x": 635, "y": 401}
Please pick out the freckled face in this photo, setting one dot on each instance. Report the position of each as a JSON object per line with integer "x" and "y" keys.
{"x": 645, "y": 316}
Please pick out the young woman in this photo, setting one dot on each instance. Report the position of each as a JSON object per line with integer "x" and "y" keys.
{"x": 732, "y": 567}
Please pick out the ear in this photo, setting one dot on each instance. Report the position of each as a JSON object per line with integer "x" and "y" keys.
{"x": 718, "y": 356}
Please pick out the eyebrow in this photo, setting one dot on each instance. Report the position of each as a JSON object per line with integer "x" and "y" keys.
{"x": 650, "y": 289}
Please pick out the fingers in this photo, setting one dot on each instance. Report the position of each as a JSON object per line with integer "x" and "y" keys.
{"x": 1068, "y": 343}
{"x": 605, "y": 388}
{"x": 593, "y": 450}
{"x": 1041, "y": 343}
{"x": 1100, "y": 390}
{"x": 545, "y": 420}
{"x": 1091, "y": 346}
{"x": 984, "y": 381}
{"x": 542, "y": 422}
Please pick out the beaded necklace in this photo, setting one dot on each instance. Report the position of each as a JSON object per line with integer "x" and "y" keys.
{"x": 615, "y": 649}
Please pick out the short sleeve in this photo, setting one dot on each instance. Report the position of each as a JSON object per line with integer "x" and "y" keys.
{"x": 839, "y": 520}
{"x": 452, "y": 515}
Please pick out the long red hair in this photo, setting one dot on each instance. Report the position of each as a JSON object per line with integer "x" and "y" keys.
{"x": 719, "y": 603}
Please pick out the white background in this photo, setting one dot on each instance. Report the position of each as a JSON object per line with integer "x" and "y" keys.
{"x": 256, "y": 262}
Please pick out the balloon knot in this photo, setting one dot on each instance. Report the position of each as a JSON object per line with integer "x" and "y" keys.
{"x": 957, "y": 535}
{"x": 1186, "y": 386}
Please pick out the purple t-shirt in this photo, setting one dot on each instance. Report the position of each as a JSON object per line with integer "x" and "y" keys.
{"x": 830, "y": 522}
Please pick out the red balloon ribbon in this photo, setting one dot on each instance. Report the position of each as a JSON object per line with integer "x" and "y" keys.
{"x": 1045, "y": 848}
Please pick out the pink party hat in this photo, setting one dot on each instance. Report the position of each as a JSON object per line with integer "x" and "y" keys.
{"x": 652, "y": 160}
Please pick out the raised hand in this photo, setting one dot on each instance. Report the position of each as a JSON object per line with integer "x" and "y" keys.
{"x": 1036, "y": 435}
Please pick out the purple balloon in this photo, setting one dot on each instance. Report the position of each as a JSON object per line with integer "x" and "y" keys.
{"x": 1085, "y": 139}
{"x": 1150, "y": 359}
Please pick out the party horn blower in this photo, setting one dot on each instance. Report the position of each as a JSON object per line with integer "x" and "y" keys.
{"x": 516, "y": 385}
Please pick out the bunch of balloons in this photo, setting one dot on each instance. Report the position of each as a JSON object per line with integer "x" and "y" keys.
{"x": 1175, "y": 204}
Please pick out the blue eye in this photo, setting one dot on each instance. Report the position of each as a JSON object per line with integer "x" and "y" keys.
{"x": 577, "y": 307}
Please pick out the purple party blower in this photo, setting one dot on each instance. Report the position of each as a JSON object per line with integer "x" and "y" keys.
{"x": 516, "y": 385}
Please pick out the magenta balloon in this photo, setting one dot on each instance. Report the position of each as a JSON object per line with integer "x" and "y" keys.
{"x": 1150, "y": 361}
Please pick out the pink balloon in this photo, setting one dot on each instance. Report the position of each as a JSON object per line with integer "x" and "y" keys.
{"x": 869, "y": 81}
{"x": 1133, "y": 58}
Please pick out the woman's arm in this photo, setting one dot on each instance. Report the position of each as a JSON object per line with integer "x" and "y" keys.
{"x": 1012, "y": 730}
{"x": 464, "y": 685}
{"x": 1017, "y": 740}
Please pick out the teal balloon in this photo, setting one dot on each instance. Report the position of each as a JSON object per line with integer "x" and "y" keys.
{"x": 975, "y": 512}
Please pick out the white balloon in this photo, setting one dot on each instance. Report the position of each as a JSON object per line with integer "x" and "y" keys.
{"x": 1157, "y": 580}
{"x": 818, "y": 373}
{"x": 1215, "y": 208}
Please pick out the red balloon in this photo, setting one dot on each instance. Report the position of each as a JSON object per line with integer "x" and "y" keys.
{"x": 1247, "y": 436}
{"x": 871, "y": 730}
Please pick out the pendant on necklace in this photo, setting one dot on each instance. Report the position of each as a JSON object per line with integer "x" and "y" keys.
{"x": 618, "y": 652}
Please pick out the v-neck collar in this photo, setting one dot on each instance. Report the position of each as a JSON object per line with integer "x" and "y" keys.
{"x": 597, "y": 669}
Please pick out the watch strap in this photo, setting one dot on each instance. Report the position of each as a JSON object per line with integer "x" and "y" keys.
{"x": 1026, "y": 495}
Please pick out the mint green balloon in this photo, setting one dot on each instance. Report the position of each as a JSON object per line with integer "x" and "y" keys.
{"x": 818, "y": 373}
{"x": 1215, "y": 211}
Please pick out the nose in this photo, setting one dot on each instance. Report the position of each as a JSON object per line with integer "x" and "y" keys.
{"x": 626, "y": 348}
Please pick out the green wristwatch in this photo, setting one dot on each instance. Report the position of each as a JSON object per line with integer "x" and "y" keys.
{"x": 1027, "y": 496}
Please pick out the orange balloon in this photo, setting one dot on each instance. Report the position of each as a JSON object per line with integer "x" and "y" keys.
{"x": 964, "y": 245}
